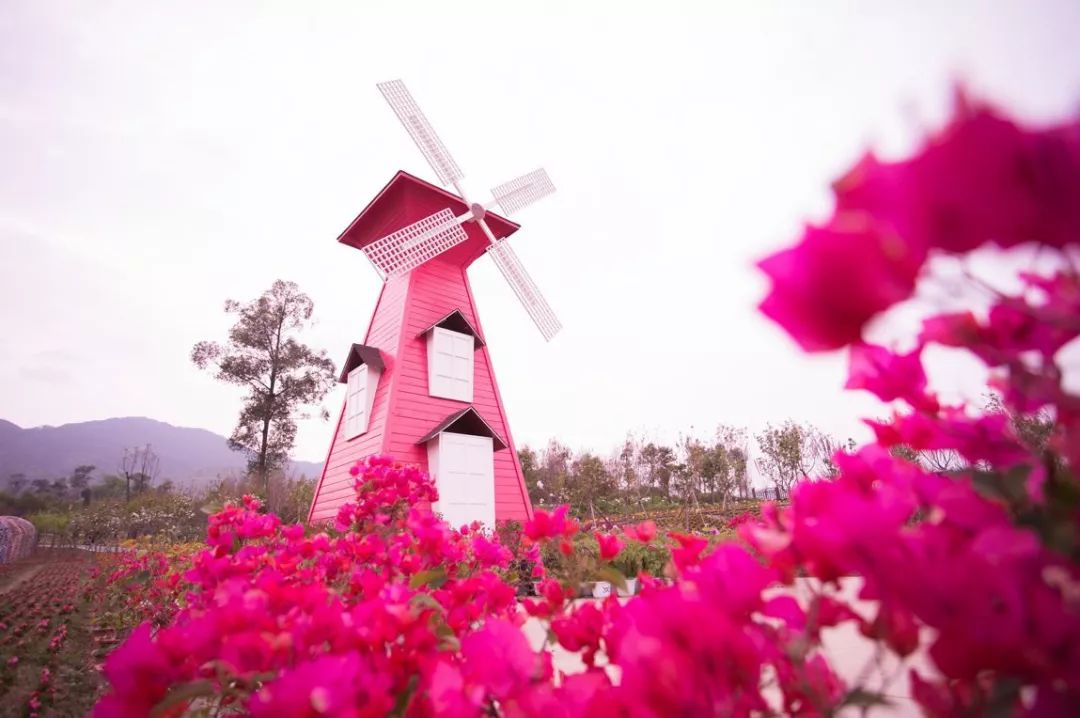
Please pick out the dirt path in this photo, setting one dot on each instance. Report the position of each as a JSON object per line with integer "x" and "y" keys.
{"x": 16, "y": 575}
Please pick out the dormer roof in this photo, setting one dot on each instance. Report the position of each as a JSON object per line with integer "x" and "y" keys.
{"x": 360, "y": 354}
{"x": 466, "y": 421}
{"x": 455, "y": 321}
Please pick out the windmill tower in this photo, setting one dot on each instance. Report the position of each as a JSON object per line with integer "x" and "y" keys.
{"x": 421, "y": 387}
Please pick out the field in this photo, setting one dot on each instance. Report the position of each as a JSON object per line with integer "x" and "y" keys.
{"x": 49, "y": 648}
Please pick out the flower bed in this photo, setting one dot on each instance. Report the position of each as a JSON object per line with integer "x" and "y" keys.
{"x": 41, "y": 614}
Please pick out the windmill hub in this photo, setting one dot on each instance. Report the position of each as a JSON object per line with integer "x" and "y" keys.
{"x": 478, "y": 211}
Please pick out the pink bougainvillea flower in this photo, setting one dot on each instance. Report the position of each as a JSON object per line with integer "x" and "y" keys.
{"x": 339, "y": 686}
{"x": 610, "y": 545}
{"x": 889, "y": 376}
{"x": 981, "y": 179}
{"x": 959, "y": 329}
{"x": 644, "y": 532}
{"x": 581, "y": 630}
{"x": 545, "y": 525}
{"x": 982, "y": 438}
{"x": 449, "y": 695}
{"x": 499, "y": 658}
{"x": 140, "y": 674}
{"x": 689, "y": 550}
{"x": 822, "y": 313}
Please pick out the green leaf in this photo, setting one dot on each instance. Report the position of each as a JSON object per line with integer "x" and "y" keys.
{"x": 612, "y": 575}
{"x": 425, "y": 600}
{"x": 450, "y": 643}
{"x": 405, "y": 696}
{"x": 432, "y": 578}
{"x": 183, "y": 693}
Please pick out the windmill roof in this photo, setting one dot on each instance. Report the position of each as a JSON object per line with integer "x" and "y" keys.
{"x": 406, "y": 199}
{"x": 456, "y": 321}
{"x": 466, "y": 421}
{"x": 360, "y": 354}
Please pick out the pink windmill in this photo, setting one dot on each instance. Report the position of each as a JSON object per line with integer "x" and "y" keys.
{"x": 421, "y": 387}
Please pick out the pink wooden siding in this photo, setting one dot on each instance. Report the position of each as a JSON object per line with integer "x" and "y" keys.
{"x": 403, "y": 411}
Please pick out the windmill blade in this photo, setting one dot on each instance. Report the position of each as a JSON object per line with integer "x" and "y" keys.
{"x": 409, "y": 247}
{"x": 421, "y": 131}
{"x": 525, "y": 289}
{"x": 523, "y": 191}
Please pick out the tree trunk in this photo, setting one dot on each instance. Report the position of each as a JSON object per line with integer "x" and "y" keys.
{"x": 260, "y": 467}
{"x": 264, "y": 475}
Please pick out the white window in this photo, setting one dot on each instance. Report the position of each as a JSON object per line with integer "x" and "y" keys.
{"x": 450, "y": 364}
{"x": 358, "y": 400}
{"x": 464, "y": 470}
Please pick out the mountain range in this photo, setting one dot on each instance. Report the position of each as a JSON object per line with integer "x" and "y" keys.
{"x": 187, "y": 456}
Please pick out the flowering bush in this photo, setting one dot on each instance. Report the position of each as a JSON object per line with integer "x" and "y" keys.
{"x": 391, "y": 612}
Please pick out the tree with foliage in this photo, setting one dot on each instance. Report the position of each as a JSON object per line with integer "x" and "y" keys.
{"x": 590, "y": 484}
{"x": 1033, "y": 428}
{"x": 281, "y": 374}
{"x": 530, "y": 470}
{"x": 625, "y": 469}
{"x": 790, "y": 452}
{"x": 657, "y": 466}
{"x": 734, "y": 441}
{"x": 79, "y": 481}
{"x": 111, "y": 486}
{"x": 17, "y": 483}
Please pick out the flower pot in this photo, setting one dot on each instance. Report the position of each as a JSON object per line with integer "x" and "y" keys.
{"x": 630, "y": 589}
{"x": 601, "y": 589}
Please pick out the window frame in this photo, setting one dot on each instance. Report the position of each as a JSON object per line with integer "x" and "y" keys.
{"x": 357, "y": 401}
{"x": 447, "y": 378}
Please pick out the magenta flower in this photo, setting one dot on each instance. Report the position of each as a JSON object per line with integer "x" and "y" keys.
{"x": 821, "y": 313}
{"x": 498, "y": 657}
{"x": 644, "y": 532}
{"x": 337, "y": 686}
{"x": 889, "y": 376}
{"x": 610, "y": 545}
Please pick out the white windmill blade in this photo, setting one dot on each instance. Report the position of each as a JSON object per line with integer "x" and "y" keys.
{"x": 523, "y": 191}
{"x": 421, "y": 131}
{"x": 525, "y": 289}
{"x": 409, "y": 247}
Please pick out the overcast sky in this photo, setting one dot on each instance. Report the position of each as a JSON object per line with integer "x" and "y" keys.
{"x": 158, "y": 158}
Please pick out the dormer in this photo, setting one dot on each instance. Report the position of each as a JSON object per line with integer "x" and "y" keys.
{"x": 451, "y": 344}
{"x": 360, "y": 373}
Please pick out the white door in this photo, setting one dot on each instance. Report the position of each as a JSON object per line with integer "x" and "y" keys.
{"x": 464, "y": 471}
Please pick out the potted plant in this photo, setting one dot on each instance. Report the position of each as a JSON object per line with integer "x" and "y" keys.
{"x": 630, "y": 562}
{"x": 654, "y": 560}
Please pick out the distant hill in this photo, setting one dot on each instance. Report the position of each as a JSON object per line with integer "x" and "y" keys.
{"x": 189, "y": 457}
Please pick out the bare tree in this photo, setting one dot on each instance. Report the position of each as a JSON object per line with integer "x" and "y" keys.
{"x": 139, "y": 468}
{"x": 941, "y": 461}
